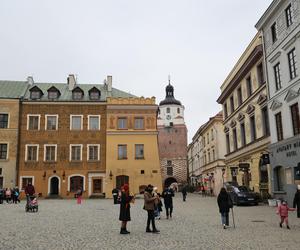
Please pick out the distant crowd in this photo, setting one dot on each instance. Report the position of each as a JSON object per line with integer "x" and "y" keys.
{"x": 9, "y": 195}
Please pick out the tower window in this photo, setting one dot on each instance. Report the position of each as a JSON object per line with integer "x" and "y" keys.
{"x": 168, "y": 110}
{"x": 178, "y": 110}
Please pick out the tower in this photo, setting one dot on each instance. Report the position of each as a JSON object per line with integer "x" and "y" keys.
{"x": 172, "y": 139}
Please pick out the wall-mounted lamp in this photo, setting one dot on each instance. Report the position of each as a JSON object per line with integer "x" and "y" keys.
{"x": 110, "y": 175}
{"x": 44, "y": 175}
{"x": 64, "y": 175}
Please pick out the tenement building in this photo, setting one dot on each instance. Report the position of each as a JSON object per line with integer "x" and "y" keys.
{"x": 10, "y": 94}
{"x": 63, "y": 137}
{"x": 172, "y": 139}
{"x": 245, "y": 119}
{"x": 280, "y": 26}
{"x": 132, "y": 144}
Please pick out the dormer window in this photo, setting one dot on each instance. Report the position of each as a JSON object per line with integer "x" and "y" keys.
{"x": 94, "y": 93}
{"x": 77, "y": 94}
{"x": 35, "y": 93}
{"x": 53, "y": 93}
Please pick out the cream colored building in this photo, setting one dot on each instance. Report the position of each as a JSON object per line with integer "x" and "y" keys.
{"x": 132, "y": 145}
{"x": 246, "y": 122}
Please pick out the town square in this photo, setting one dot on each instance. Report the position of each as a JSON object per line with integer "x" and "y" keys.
{"x": 150, "y": 125}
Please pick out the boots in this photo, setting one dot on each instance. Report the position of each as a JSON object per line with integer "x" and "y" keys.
{"x": 148, "y": 230}
{"x": 155, "y": 231}
{"x": 124, "y": 231}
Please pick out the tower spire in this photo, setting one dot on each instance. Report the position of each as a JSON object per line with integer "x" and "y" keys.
{"x": 169, "y": 79}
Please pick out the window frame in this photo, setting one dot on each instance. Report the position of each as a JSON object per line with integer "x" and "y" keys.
{"x": 37, "y": 152}
{"x": 274, "y": 32}
{"x": 88, "y": 152}
{"x": 126, "y": 123}
{"x": 234, "y": 137}
{"x": 70, "y": 152}
{"x": 253, "y": 129}
{"x": 8, "y": 118}
{"x": 292, "y": 63}
{"x": 227, "y": 138}
{"x": 99, "y": 122}
{"x": 265, "y": 121}
{"x": 139, "y": 118}
{"x": 126, "y": 156}
{"x": 260, "y": 74}
{"x": 25, "y": 177}
{"x": 288, "y": 15}
{"x": 277, "y": 76}
{"x": 135, "y": 152}
{"x": 249, "y": 85}
{"x": 239, "y": 95}
{"x": 243, "y": 134}
{"x": 28, "y": 120}
{"x": 7, "y": 150}
{"x": 46, "y": 122}
{"x": 296, "y": 127}
{"x": 231, "y": 99}
{"x": 45, "y": 152}
{"x": 81, "y": 122}
{"x": 279, "y": 130}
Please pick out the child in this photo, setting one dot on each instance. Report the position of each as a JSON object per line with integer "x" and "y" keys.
{"x": 283, "y": 211}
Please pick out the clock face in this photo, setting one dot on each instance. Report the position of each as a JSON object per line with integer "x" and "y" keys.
{"x": 168, "y": 117}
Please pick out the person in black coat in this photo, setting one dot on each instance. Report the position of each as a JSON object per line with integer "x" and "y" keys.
{"x": 224, "y": 203}
{"x": 115, "y": 193}
{"x": 296, "y": 202}
{"x": 168, "y": 195}
{"x": 125, "y": 200}
{"x": 184, "y": 192}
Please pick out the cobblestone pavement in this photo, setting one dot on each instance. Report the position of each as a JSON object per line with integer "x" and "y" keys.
{"x": 62, "y": 224}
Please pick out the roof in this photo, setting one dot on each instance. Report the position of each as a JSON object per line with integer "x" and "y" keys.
{"x": 12, "y": 89}
{"x": 170, "y": 99}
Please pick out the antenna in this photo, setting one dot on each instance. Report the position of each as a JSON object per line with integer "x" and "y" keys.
{"x": 169, "y": 78}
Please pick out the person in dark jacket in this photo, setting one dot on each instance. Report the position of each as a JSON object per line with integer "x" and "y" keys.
{"x": 115, "y": 193}
{"x": 184, "y": 192}
{"x": 168, "y": 195}
{"x": 296, "y": 202}
{"x": 1, "y": 195}
{"x": 149, "y": 205}
{"x": 125, "y": 200}
{"x": 224, "y": 203}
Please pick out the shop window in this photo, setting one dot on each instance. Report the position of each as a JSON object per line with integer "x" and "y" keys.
{"x": 278, "y": 178}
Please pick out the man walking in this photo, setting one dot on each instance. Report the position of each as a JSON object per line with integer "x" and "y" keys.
{"x": 168, "y": 195}
{"x": 184, "y": 192}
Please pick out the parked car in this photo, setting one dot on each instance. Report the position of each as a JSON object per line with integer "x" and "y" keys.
{"x": 242, "y": 195}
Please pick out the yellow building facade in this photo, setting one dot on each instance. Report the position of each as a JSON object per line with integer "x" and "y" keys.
{"x": 246, "y": 122}
{"x": 132, "y": 147}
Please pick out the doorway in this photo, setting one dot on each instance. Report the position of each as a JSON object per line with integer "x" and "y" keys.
{"x": 97, "y": 186}
{"x": 54, "y": 186}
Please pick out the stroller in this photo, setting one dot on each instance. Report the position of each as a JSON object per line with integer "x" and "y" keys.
{"x": 32, "y": 204}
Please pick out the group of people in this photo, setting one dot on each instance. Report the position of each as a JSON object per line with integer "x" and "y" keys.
{"x": 10, "y": 195}
{"x": 152, "y": 204}
{"x": 225, "y": 204}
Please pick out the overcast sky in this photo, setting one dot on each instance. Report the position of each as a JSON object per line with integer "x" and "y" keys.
{"x": 138, "y": 42}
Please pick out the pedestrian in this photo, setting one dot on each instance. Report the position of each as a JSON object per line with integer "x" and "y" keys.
{"x": 17, "y": 194}
{"x": 224, "y": 203}
{"x": 2, "y": 195}
{"x": 29, "y": 191}
{"x": 115, "y": 193}
{"x": 283, "y": 211}
{"x": 158, "y": 206}
{"x": 125, "y": 200}
{"x": 149, "y": 205}
{"x": 8, "y": 195}
{"x": 79, "y": 196}
{"x": 203, "y": 190}
{"x": 296, "y": 202}
{"x": 168, "y": 195}
{"x": 184, "y": 192}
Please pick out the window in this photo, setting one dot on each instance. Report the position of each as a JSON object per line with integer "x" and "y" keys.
{"x": 142, "y": 171}
{"x": 278, "y": 178}
{"x": 207, "y": 136}
{"x": 1, "y": 182}
{"x": 288, "y": 16}
{"x": 204, "y": 141}
{"x": 76, "y": 152}
{"x": 52, "y": 94}
{"x": 178, "y": 110}
{"x": 32, "y": 152}
{"x": 295, "y": 118}
{"x": 205, "y": 160}
{"x": 76, "y": 122}
{"x": 139, "y": 151}
{"x": 3, "y": 120}
{"x": 231, "y": 104}
{"x": 274, "y": 32}
{"x": 240, "y": 97}
{"x": 94, "y": 122}
{"x": 138, "y": 123}
{"x": 292, "y": 63}
{"x": 33, "y": 122}
{"x": 252, "y": 128}
{"x": 208, "y": 156}
{"x": 225, "y": 110}
{"x": 3, "y": 151}
{"x": 213, "y": 155}
{"x": 122, "y": 152}
{"x": 94, "y": 95}
{"x": 51, "y": 122}
{"x": 260, "y": 74}
{"x": 212, "y": 134}
{"x": 50, "y": 152}
{"x": 76, "y": 183}
{"x": 234, "y": 139}
{"x": 122, "y": 123}
{"x": 25, "y": 181}
{"x": 249, "y": 86}
{"x": 279, "y": 126}
{"x": 35, "y": 95}
{"x": 93, "y": 153}
{"x": 77, "y": 95}
{"x": 168, "y": 110}
{"x": 265, "y": 120}
{"x": 227, "y": 143}
{"x": 277, "y": 76}
{"x": 243, "y": 134}
{"x": 169, "y": 162}
{"x": 169, "y": 170}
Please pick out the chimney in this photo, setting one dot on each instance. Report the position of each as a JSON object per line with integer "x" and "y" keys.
{"x": 30, "y": 80}
{"x": 71, "y": 81}
{"x": 109, "y": 83}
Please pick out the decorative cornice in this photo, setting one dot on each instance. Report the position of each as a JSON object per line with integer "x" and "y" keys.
{"x": 262, "y": 99}
{"x": 250, "y": 109}
{"x": 275, "y": 105}
{"x": 232, "y": 123}
{"x": 291, "y": 95}
{"x": 226, "y": 129}
{"x": 240, "y": 117}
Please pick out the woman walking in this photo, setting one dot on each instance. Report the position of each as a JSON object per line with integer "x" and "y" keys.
{"x": 150, "y": 202}
{"x": 125, "y": 200}
{"x": 224, "y": 203}
{"x": 296, "y": 202}
{"x": 168, "y": 195}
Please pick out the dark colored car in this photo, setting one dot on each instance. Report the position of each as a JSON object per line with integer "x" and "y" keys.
{"x": 242, "y": 195}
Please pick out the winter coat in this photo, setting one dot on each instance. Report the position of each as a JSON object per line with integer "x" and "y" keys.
{"x": 168, "y": 195}
{"x": 283, "y": 210}
{"x": 184, "y": 191}
{"x": 29, "y": 189}
{"x": 125, "y": 207}
{"x": 149, "y": 201}
{"x": 296, "y": 203}
{"x": 224, "y": 202}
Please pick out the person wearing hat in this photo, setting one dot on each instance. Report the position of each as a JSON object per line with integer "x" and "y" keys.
{"x": 125, "y": 208}
{"x": 149, "y": 205}
{"x": 296, "y": 202}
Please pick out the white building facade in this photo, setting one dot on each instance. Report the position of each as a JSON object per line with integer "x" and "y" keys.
{"x": 280, "y": 26}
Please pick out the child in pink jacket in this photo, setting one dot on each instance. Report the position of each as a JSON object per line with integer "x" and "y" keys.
{"x": 283, "y": 211}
